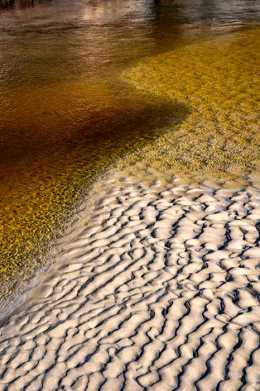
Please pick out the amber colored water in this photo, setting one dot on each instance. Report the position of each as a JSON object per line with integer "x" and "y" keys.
{"x": 65, "y": 113}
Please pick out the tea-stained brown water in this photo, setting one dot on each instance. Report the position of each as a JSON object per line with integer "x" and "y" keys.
{"x": 65, "y": 112}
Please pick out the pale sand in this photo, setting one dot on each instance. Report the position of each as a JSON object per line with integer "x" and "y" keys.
{"x": 158, "y": 290}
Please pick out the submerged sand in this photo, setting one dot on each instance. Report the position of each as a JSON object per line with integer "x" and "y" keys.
{"x": 218, "y": 81}
{"x": 156, "y": 290}
{"x": 197, "y": 115}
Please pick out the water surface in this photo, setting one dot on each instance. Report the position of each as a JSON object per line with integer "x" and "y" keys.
{"x": 65, "y": 113}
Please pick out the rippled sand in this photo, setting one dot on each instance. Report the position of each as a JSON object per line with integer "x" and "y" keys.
{"x": 157, "y": 290}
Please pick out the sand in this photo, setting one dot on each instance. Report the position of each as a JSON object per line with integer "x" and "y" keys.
{"x": 156, "y": 290}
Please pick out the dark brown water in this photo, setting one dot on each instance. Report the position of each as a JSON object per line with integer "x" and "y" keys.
{"x": 50, "y": 41}
{"x": 65, "y": 115}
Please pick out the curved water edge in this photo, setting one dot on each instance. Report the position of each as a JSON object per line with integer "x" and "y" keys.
{"x": 43, "y": 171}
{"x": 96, "y": 146}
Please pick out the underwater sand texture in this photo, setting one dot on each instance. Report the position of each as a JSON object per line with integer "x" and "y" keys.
{"x": 219, "y": 81}
{"x": 44, "y": 172}
{"x": 158, "y": 290}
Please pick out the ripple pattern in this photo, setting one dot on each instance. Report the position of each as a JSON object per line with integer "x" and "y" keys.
{"x": 159, "y": 291}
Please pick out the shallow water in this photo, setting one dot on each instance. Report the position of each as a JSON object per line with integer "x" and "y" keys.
{"x": 218, "y": 80}
{"x": 66, "y": 115}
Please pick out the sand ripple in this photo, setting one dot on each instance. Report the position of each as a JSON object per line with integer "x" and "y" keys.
{"x": 159, "y": 291}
